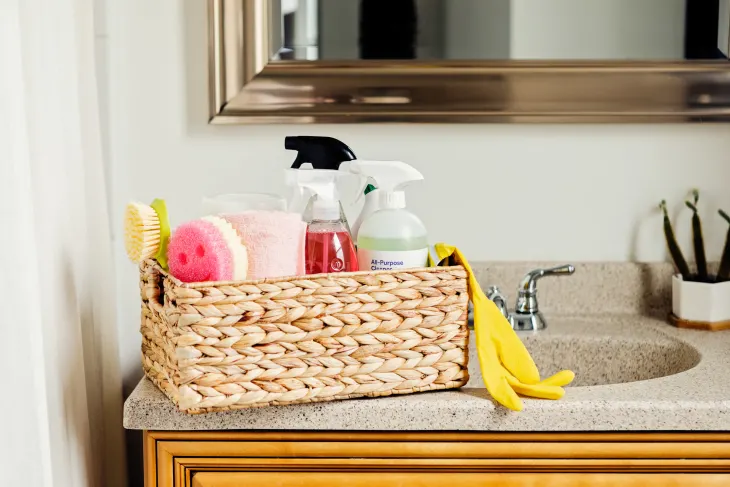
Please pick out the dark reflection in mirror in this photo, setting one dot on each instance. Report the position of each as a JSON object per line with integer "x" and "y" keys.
{"x": 501, "y": 29}
{"x": 388, "y": 31}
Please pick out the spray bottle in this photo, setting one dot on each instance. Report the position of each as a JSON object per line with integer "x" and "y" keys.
{"x": 328, "y": 244}
{"x": 322, "y": 153}
{"x": 390, "y": 237}
{"x": 370, "y": 206}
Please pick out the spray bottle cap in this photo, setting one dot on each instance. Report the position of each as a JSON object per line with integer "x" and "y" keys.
{"x": 390, "y": 177}
{"x": 326, "y": 205}
{"x": 325, "y": 209}
{"x": 321, "y": 152}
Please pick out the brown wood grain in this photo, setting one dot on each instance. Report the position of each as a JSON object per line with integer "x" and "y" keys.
{"x": 221, "y": 459}
{"x": 699, "y": 325}
{"x": 338, "y": 479}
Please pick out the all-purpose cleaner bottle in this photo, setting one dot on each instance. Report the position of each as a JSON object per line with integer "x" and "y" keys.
{"x": 391, "y": 237}
{"x": 328, "y": 244}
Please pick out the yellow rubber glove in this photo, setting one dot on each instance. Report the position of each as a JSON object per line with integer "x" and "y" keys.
{"x": 562, "y": 378}
{"x": 510, "y": 349}
{"x": 501, "y": 352}
{"x": 489, "y": 363}
{"x": 549, "y": 388}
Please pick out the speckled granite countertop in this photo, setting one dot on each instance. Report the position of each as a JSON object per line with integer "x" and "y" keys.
{"x": 598, "y": 349}
{"x": 633, "y": 372}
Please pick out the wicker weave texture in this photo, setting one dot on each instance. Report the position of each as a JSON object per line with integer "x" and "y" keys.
{"x": 221, "y": 346}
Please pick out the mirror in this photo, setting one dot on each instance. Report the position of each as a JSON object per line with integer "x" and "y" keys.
{"x": 467, "y": 61}
{"x": 337, "y": 30}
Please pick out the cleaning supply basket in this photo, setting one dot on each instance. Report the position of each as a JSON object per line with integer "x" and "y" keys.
{"x": 218, "y": 346}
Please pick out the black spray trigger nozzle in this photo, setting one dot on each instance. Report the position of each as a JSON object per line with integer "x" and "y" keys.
{"x": 321, "y": 152}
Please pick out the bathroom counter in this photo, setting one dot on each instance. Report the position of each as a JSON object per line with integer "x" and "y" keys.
{"x": 600, "y": 349}
{"x": 650, "y": 405}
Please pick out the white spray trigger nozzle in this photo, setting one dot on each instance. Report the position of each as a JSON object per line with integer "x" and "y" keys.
{"x": 389, "y": 176}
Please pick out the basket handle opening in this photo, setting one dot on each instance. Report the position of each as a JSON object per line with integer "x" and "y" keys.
{"x": 152, "y": 284}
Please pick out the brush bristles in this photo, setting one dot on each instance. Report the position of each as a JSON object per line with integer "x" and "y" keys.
{"x": 141, "y": 232}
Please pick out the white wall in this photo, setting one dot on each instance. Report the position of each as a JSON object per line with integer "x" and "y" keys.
{"x": 597, "y": 29}
{"x": 501, "y": 192}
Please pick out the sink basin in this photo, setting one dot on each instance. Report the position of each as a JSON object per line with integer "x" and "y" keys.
{"x": 599, "y": 355}
{"x": 598, "y": 361}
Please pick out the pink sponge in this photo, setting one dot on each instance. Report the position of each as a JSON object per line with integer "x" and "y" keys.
{"x": 208, "y": 249}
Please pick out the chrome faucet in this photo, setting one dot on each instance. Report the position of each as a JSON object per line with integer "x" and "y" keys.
{"x": 527, "y": 315}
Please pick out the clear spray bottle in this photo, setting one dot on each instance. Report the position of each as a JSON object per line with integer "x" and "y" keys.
{"x": 328, "y": 244}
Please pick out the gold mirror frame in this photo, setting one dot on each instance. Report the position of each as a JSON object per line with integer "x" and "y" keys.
{"x": 246, "y": 87}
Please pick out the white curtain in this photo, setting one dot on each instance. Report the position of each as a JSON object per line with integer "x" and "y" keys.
{"x": 60, "y": 402}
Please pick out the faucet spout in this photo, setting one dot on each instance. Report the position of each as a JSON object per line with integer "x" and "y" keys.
{"x": 528, "y": 283}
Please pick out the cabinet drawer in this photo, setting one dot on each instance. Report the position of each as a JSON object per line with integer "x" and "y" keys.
{"x": 405, "y": 479}
{"x": 250, "y": 459}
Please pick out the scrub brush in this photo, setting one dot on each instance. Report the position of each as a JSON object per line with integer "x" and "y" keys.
{"x": 147, "y": 231}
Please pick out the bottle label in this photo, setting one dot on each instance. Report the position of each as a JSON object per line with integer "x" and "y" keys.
{"x": 386, "y": 260}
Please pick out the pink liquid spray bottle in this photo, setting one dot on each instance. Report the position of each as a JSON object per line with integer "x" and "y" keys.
{"x": 328, "y": 244}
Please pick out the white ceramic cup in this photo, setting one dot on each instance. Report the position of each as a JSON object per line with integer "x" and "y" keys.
{"x": 700, "y": 301}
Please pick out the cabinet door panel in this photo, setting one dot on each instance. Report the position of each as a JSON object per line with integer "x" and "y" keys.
{"x": 417, "y": 479}
{"x": 322, "y": 459}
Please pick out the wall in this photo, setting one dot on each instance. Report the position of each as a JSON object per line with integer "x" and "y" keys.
{"x": 501, "y": 192}
{"x": 597, "y": 29}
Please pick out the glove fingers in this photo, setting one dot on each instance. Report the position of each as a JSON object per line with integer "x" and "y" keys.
{"x": 540, "y": 391}
{"x": 535, "y": 390}
{"x": 562, "y": 378}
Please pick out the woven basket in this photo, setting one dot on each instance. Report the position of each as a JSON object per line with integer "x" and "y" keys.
{"x": 232, "y": 345}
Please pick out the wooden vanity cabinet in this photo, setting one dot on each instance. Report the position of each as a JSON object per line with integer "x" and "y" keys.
{"x": 322, "y": 459}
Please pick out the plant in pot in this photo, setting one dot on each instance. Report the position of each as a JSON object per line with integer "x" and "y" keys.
{"x": 700, "y": 299}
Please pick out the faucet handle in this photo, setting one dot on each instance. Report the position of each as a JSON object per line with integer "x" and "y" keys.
{"x": 527, "y": 295}
{"x": 493, "y": 291}
{"x": 529, "y": 282}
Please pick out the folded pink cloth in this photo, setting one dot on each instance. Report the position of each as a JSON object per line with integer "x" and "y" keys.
{"x": 275, "y": 242}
